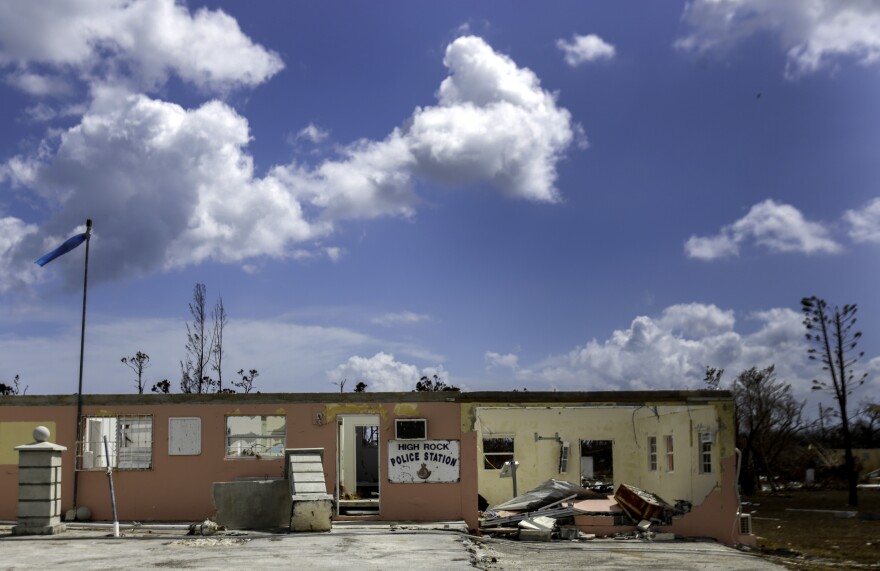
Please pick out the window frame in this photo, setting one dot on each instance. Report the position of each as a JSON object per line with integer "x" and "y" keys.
{"x": 498, "y": 457}
{"x": 114, "y": 433}
{"x": 670, "y": 453}
{"x": 652, "y": 453}
{"x": 705, "y": 455}
{"x": 258, "y": 450}
{"x": 414, "y": 421}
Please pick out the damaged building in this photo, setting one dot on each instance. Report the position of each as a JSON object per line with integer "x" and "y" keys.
{"x": 417, "y": 456}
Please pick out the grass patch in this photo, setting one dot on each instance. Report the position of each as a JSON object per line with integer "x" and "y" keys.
{"x": 817, "y": 540}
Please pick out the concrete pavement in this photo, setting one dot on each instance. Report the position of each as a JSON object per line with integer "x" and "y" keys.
{"x": 368, "y": 546}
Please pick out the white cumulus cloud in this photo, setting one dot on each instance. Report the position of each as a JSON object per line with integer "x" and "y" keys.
{"x": 673, "y": 350}
{"x": 508, "y": 361}
{"x": 775, "y": 226}
{"x": 141, "y": 40}
{"x": 383, "y": 373}
{"x": 864, "y": 224}
{"x": 312, "y": 133}
{"x": 583, "y": 49}
{"x": 166, "y": 187}
{"x": 814, "y": 34}
{"x": 169, "y": 187}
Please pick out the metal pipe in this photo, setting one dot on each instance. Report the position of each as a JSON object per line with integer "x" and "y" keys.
{"x": 82, "y": 345}
{"x": 112, "y": 491}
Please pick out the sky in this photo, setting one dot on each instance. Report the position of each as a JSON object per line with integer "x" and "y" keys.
{"x": 576, "y": 195}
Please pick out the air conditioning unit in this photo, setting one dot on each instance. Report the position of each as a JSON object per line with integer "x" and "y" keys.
{"x": 745, "y": 524}
{"x": 564, "y": 451}
{"x": 707, "y": 437}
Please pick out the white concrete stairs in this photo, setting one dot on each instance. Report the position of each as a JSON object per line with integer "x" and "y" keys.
{"x": 312, "y": 506}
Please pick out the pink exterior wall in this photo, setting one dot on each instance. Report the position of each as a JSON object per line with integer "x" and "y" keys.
{"x": 178, "y": 488}
{"x": 715, "y": 517}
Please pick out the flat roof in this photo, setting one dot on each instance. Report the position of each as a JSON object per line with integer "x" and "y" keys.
{"x": 488, "y": 397}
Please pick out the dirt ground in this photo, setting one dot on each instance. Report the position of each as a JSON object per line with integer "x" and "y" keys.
{"x": 829, "y": 534}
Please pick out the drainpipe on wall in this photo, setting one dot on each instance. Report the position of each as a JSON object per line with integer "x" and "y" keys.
{"x": 734, "y": 534}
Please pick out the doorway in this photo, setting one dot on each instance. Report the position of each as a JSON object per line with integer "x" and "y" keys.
{"x": 357, "y": 465}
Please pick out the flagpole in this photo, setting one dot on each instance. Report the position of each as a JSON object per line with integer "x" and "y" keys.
{"x": 82, "y": 343}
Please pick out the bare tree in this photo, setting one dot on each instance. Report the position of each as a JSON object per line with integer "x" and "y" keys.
{"x": 198, "y": 347}
{"x": 247, "y": 380}
{"x": 219, "y": 319}
{"x": 768, "y": 417}
{"x": 341, "y": 384}
{"x": 713, "y": 377}
{"x": 830, "y": 329}
{"x": 433, "y": 384}
{"x": 866, "y": 426}
{"x": 162, "y": 387}
{"x": 13, "y": 389}
{"x": 137, "y": 363}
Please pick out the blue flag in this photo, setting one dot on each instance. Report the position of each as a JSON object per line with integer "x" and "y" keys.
{"x": 67, "y": 246}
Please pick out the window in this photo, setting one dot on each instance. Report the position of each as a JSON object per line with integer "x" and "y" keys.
{"x": 705, "y": 453}
{"x": 129, "y": 441}
{"x": 255, "y": 436}
{"x": 652, "y": 453}
{"x": 497, "y": 451}
{"x": 597, "y": 461}
{"x": 564, "y": 451}
{"x": 670, "y": 459}
{"x": 411, "y": 428}
{"x": 369, "y": 436}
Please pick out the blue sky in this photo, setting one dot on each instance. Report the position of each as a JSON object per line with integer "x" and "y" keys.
{"x": 559, "y": 196}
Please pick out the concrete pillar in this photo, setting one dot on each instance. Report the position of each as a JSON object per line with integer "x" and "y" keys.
{"x": 39, "y": 486}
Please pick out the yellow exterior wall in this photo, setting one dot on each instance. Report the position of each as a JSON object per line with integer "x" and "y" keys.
{"x": 14, "y": 434}
{"x": 628, "y": 427}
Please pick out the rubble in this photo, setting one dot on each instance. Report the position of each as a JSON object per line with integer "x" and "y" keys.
{"x": 641, "y": 505}
{"x": 546, "y": 512}
{"x": 207, "y": 527}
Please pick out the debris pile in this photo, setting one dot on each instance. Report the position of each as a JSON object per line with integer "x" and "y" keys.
{"x": 561, "y": 510}
{"x": 206, "y": 527}
{"x": 537, "y": 514}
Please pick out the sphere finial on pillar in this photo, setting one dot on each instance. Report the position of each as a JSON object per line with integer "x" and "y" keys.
{"x": 41, "y": 434}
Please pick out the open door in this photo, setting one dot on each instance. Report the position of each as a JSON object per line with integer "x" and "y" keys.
{"x": 357, "y": 465}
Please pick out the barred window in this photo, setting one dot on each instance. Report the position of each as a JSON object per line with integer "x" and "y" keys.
{"x": 255, "y": 436}
{"x": 670, "y": 457}
{"x": 129, "y": 440}
{"x": 497, "y": 451}
{"x": 652, "y": 453}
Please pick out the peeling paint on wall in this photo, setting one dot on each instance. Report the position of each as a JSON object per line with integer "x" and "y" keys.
{"x": 406, "y": 409}
{"x": 332, "y": 410}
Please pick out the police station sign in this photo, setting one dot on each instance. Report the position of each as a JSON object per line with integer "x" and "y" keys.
{"x": 423, "y": 461}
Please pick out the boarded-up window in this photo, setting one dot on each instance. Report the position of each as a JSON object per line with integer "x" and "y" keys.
{"x": 184, "y": 436}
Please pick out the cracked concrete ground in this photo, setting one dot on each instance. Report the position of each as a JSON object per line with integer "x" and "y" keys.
{"x": 369, "y": 546}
